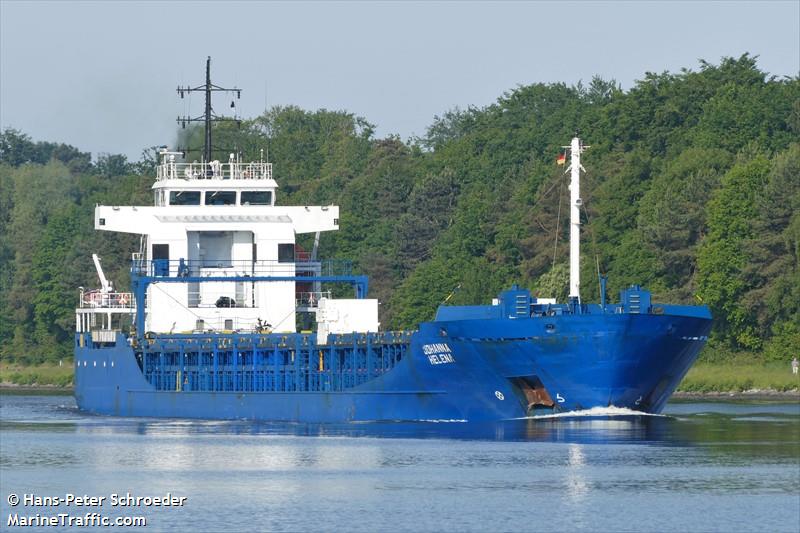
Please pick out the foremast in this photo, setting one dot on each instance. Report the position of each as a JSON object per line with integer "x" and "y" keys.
{"x": 575, "y": 149}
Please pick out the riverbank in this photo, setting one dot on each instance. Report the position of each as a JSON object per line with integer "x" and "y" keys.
{"x": 46, "y": 376}
{"x": 740, "y": 378}
{"x": 745, "y": 395}
{"x": 724, "y": 381}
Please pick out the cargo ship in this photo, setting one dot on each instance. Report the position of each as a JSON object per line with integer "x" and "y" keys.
{"x": 219, "y": 286}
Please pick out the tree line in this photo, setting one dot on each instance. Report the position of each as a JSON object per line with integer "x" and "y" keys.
{"x": 692, "y": 190}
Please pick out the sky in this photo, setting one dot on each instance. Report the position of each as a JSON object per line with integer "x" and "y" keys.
{"x": 102, "y": 75}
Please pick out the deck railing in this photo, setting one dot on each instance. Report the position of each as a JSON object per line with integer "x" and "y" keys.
{"x": 227, "y": 268}
{"x": 310, "y": 299}
{"x": 97, "y": 299}
{"x": 171, "y": 170}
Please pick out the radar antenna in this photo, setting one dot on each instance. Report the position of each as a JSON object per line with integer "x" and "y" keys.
{"x": 208, "y": 117}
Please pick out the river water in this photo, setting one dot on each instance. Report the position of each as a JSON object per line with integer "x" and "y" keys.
{"x": 702, "y": 467}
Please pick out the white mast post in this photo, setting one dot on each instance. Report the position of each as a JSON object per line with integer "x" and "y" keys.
{"x": 575, "y": 220}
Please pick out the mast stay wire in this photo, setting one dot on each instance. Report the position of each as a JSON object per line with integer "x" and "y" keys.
{"x": 181, "y": 304}
{"x": 558, "y": 222}
{"x": 595, "y": 250}
{"x": 202, "y": 317}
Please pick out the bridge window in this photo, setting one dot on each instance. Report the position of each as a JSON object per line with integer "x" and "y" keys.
{"x": 286, "y": 253}
{"x": 220, "y": 197}
{"x": 184, "y": 198}
{"x": 160, "y": 251}
{"x": 256, "y": 198}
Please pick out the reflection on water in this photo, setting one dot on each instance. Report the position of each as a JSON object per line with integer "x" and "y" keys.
{"x": 575, "y": 480}
{"x": 763, "y": 431}
{"x": 704, "y": 467}
{"x": 760, "y": 431}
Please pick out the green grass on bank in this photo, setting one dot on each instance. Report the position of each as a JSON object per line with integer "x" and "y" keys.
{"x": 48, "y": 374}
{"x": 738, "y": 377}
{"x": 702, "y": 377}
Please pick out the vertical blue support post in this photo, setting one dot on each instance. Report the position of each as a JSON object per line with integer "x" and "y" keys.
{"x": 336, "y": 374}
{"x": 319, "y": 355}
{"x": 200, "y": 370}
{"x": 298, "y": 383}
{"x": 286, "y": 362}
{"x": 139, "y": 292}
{"x": 215, "y": 355}
{"x": 275, "y": 363}
{"x": 361, "y": 284}
{"x": 209, "y": 381}
{"x": 370, "y": 370}
{"x": 144, "y": 366}
{"x": 355, "y": 361}
{"x": 253, "y": 386}
{"x": 184, "y": 378}
{"x": 313, "y": 368}
{"x": 235, "y": 353}
{"x": 161, "y": 378}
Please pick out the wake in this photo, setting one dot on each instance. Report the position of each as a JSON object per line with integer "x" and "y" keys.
{"x": 594, "y": 412}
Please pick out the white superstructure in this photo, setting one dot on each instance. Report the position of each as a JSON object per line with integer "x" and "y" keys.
{"x": 216, "y": 224}
{"x": 217, "y": 254}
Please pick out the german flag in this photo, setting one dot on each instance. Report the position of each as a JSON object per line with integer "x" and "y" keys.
{"x": 562, "y": 158}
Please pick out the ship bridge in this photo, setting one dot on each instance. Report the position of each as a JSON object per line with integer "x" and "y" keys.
{"x": 214, "y": 183}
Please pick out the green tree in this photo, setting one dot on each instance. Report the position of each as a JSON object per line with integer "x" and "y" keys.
{"x": 723, "y": 256}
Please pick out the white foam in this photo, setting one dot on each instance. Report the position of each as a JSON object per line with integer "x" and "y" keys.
{"x": 610, "y": 411}
{"x": 423, "y": 420}
{"x": 443, "y": 420}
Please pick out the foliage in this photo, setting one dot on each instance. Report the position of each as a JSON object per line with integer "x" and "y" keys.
{"x": 692, "y": 189}
{"x": 723, "y": 257}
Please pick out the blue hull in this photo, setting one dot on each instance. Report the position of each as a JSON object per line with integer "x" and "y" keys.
{"x": 471, "y": 370}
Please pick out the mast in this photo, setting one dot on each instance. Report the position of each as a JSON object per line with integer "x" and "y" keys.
{"x": 575, "y": 202}
{"x": 208, "y": 116}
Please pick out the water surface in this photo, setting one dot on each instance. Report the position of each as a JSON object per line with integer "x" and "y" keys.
{"x": 703, "y": 467}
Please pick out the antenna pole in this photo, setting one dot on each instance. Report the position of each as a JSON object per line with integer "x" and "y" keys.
{"x": 207, "y": 145}
{"x": 208, "y": 116}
